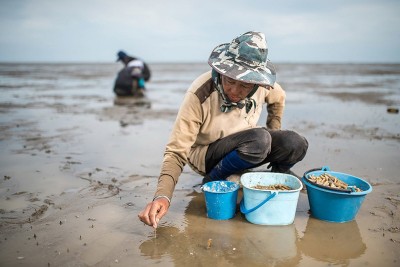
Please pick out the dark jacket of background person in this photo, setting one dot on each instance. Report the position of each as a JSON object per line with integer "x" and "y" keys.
{"x": 125, "y": 59}
{"x": 130, "y": 80}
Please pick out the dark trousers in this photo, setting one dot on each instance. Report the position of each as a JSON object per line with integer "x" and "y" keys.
{"x": 281, "y": 148}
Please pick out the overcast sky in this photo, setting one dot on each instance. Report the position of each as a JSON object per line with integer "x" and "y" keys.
{"x": 187, "y": 30}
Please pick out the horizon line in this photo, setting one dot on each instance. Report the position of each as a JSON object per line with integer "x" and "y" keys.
{"x": 202, "y": 62}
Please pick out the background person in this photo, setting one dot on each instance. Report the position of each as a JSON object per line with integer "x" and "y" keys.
{"x": 131, "y": 79}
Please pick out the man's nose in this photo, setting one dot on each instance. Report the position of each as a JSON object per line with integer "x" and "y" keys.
{"x": 235, "y": 88}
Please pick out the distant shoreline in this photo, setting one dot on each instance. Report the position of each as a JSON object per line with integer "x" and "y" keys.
{"x": 190, "y": 62}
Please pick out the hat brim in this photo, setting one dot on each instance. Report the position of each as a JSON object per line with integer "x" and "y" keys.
{"x": 225, "y": 65}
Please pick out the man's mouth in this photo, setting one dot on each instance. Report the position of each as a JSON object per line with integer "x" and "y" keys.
{"x": 235, "y": 98}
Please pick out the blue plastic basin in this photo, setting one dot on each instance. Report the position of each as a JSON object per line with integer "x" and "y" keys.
{"x": 335, "y": 206}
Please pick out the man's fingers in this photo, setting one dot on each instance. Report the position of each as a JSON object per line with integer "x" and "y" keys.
{"x": 144, "y": 215}
{"x": 153, "y": 219}
{"x": 154, "y": 211}
{"x": 161, "y": 213}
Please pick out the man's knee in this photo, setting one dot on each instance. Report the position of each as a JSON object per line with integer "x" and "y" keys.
{"x": 290, "y": 148}
{"x": 295, "y": 145}
{"x": 257, "y": 146}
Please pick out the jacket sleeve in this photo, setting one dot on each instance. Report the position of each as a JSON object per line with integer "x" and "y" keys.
{"x": 183, "y": 136}
{"x": 275, "y": 107}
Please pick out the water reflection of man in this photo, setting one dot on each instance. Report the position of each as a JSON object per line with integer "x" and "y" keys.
{"x": 234, "y": 242}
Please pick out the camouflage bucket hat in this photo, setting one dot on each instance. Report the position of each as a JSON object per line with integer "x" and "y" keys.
{"x": 244, "y": 59}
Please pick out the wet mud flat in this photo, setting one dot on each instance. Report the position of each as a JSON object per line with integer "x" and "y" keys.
{"x": 98, "y": 227}
{"x": 78, "y": 166}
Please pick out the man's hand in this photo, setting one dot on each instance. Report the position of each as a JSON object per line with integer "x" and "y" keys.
{"x": 154, "y": 211}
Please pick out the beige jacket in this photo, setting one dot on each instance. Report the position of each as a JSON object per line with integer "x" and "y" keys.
{"x": 200, "y": 122}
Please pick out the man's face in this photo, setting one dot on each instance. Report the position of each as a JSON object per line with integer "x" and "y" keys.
{"x": 236, "y": 90}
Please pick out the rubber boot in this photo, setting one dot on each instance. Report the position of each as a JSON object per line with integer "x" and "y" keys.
{"x": 230, "y": 164}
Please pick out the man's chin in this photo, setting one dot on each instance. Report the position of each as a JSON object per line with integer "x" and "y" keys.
{"x": 235, "y": 100}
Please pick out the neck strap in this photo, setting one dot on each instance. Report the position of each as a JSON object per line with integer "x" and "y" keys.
{"x": 227, "y": 104}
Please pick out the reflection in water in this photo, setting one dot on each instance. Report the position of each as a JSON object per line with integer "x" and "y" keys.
{"x": 130, "y": 101}
{"x": 233, "y": 242}
{"x": 332, "y": 242}
{"x": 161, "y": 243}
{"x": 128, "y": 110}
